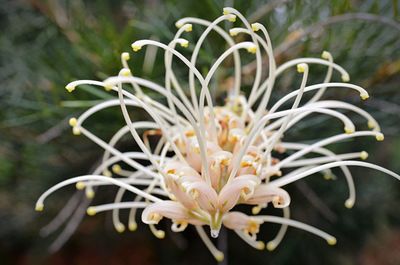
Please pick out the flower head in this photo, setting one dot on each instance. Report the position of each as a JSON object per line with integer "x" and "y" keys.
{"x": 206, "y": 158}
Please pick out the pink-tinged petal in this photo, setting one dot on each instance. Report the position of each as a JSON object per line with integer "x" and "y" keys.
{"x": 242, "y": 186}
{"x": 265, "y": 194}
{"x": 193, "y": 152}
{"x": 204, "y": 195}
{"x": 176, "y": 189}
{"x": 218, "y": 165}
{"x": 175, "y": 211}
{"x": 241, "y": 221}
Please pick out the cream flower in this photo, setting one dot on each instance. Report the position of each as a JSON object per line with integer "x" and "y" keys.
{"x": 204, "y": 159}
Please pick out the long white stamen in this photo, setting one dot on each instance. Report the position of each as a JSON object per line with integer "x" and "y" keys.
{"x": 285, "y": 180}
{"x": 279, "y": 220}
{"x": 40, "y": 201}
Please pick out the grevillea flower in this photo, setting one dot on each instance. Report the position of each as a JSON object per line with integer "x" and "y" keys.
{"x": 204, "y": 159}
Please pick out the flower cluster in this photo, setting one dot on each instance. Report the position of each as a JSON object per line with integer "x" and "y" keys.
{"x": 202, "y": 160}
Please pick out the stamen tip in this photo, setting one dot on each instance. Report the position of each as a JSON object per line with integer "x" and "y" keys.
{"x": 125, "y": 56}
{"x": 91, "y": 211}
{"x": 39, "y": 207}
{"x": 331, "y": 241}
{"x": 326, "y": 55}
{"x": 301, "y": 67}
{"x": 108, "y": 86}
{"x": 252, "y": 49}
{"x": 226, "y": 11}
{"x": 345, "y": 78}
{"x": 120, "y": 228}
{"x": 76, "y": 131}
{"x": 363, "y": 155}
{"x": 219, "y": 256}
{"x": 89, "y": 194}
{"x": 184, "y": 43}
{"x": 70, "y": 88}
{"x": 136, "y": 47}
{"x": 160, "y": 234}
{"x": 364, "y": 96}
{"x": 233, "y": 32}
{"x": 80, "y": 185}
{"x": 256, "y": 210}
{"x": 271, "y": 246}
{"x": 260, "y": 245}
{"x": 125, "y": 72}
{"x": 132, "y": 226}
{"x": 349, "y": 204}
{"x": 116, "y": 168}
{"x": 107, "y": 173}
{"x": 380, "y": 137}
{"x": 231, "y": 18}
{"x": 73, "y": 121}
{"x": 348, "y": 130}
{"x": 255, "y": 27}
{"x": 371, "y": 124}
{"x": 188, "y": 27}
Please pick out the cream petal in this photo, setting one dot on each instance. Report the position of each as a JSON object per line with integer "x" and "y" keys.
{"x": 264, "y": 194}
{"x": 231, "y": 192}
{"x": 204, "y": 195}
{"x": 175, "y": 211}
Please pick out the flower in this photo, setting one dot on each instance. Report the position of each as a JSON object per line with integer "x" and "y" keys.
{"x": 205, "y": 159}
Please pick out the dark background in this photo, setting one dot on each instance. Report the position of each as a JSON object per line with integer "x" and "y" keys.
{"x": 45, "y": 44}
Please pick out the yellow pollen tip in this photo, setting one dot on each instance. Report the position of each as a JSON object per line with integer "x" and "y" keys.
{"x": 364, "y": 96}
{"x": 72, "y": 122}
{"x": 256, "y": 210}
{"x": 326, "y": 55}
{"x": 108, "y": 86}
{"x": 301, "y": 67}
{"x": 363, "y": 155}
{"x": 116, "y": 168}
{"x": 188, "y": 27}
{"x": 91, "y": 211}
{"x": 80, "y": 185}
{"x": 89, "y": 194}
{"x": 184, "y": 44}
{"x": 76, "y": 131}
{"x": 371, "y": 124}
{"x": 132, "y": 227}
{"x": 255, "y": 27}
{"x": 380, "y": 137}
{"x": 332, "y": 241}
{"x": 345, "y": 78}
{"x": 349, "y": 204}
{"x": 70, "y": 88}
{"x": 270, "y": 246}
{"x": 252, "y": 49}
{"x": 260, "y": 245}
{"x": 136, "y": 47}
{"x": 233, "y": 32}
{"x": 120, "y": 228}
{"x": 219, "y": 256}
{"x": 178, "y": 24}
{"x": 159, "y": 234}
{"x": 107, "y": 173}
{"x": 125, "y": 56}
{"x": 328, "y": 176}
{"x": 39, "y": 207}
{"x": 348, "y": 130}
{"x": 225, "y": 11}
{"x": 125, "y": 72}
{"x": 232, "y": 18}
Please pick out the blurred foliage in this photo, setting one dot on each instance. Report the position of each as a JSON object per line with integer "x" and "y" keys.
{"x": 45, "y": 44}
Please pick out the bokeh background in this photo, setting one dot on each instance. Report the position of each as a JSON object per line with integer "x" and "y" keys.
{"x": 44, "y": 44}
